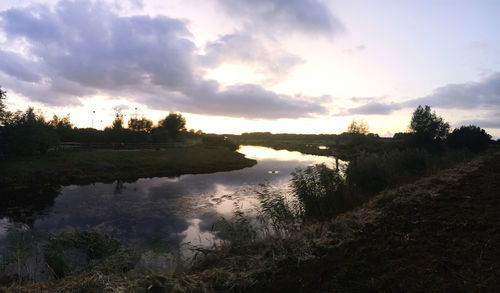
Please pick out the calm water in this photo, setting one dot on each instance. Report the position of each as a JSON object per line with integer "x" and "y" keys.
{"x": 174, "y": 210}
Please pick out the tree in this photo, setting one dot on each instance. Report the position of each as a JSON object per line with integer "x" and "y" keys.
{"x": 61, "y": 123}
{"x": 118, "y": 122}
{"x": 174, "y": 123}
{"x": 358, "y": 128}
{"x": 142, "y": 124}
{"x": 427, "y": 126}
{"x": 63, "y": 127}
{"x": 471, "y": 137}
{"x": 27, "y": 133}
{"x": 3, "y": 95}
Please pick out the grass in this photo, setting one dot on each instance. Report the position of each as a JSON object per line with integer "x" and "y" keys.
{"x": 86, "y": 166}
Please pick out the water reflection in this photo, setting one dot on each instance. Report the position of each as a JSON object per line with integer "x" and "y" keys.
{"x": 174, "y": 210}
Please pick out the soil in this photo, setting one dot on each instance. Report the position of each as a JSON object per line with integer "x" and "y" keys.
{"x": 441, "y": 234}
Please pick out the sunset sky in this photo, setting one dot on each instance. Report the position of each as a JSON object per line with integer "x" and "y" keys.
{"x": 232, "y": 66}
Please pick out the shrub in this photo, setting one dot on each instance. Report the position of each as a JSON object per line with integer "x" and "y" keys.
{"x": 366, "y": 174}
{"x": 471, "y": 137}
{"x": 320, "y": 191}
{"x": 371, "y": 173}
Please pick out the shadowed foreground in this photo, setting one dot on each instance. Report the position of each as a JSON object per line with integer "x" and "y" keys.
{"x": 438, "y": 234}
{"x": 424, "y": 239}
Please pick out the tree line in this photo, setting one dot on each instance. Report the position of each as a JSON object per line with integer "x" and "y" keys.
{"x": 28, "y": 132}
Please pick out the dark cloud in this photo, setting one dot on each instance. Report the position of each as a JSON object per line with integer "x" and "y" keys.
{"x": 83, "y": 48}
{"x": 471, "y": 95}
{"x": 484, "y": 94}
{"x": 307, "y": 16}
{"x": 240, "y": 100}
{"x": 493, "y": 123}
{"x": 18, "y": 67}
{"x": 374, "y": 108}
{"x": 246, "y": 49}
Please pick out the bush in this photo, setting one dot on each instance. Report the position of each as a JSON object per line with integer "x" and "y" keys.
{"x": 371, "y": 173}
{"x": 367, "y": 175}
{"x": 471, "y": 137}
{"x": 320, "y": 191}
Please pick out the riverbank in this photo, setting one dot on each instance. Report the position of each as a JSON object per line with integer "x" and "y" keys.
{"x": 344, "y": 146}
{"x": 439, "y": 233}
{"x": 103, "y": 165}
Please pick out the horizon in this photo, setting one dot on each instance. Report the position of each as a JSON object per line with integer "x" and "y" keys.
{"x": 254, "y": 66}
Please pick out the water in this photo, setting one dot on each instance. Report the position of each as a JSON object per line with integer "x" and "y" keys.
{"x": 173, "y": 210}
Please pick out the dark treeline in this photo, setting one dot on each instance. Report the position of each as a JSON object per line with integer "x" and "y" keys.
{"x": 25, "y": 133}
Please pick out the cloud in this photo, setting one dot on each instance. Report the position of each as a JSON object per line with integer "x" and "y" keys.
{"x": 374, "y": 108}
{"x": 305, "y": 16}
{"x": 485, "y": 123}
{"x": 18, "y": 67}
{"x": 356, "y": 49}
{"x": 251, "y": 101}
{"x": 483, "y": 94}
{"x": 243, "y": 48}
{"x": 84, "y": 48}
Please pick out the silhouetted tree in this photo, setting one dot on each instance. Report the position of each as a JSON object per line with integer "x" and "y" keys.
{"x": 118, "y": 122}
{"x": 174, "y": 123}
{"x": 61, "y": 123}
{"x": 27, "y": 133}
{"x": 63, "y": 127}
{"x": 142, "y": 124}
{"x": 471, "y": 137}
{"x": 3, "y": 95}
{"x": 359, "y": 128}
{"x": 427, "y": 126}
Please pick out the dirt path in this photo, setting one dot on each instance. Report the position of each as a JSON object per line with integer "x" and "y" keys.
{"x": 441, "y": 234}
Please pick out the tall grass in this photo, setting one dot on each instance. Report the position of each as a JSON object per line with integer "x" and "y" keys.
{"x": 277, "y": 215}
{"x": 320, "y": 190}
{"x": 371, "y": 173}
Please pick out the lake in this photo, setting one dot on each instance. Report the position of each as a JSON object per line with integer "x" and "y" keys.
{"x": 175, "y": 211}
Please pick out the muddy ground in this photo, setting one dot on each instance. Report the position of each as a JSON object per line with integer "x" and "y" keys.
{"x": 441, "y": 234}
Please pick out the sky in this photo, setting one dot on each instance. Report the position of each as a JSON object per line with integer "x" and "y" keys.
{"x": 233, "y": 66}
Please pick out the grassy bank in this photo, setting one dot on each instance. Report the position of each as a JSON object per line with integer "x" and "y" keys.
{"x": 407, "y": 239}
{"x": 104, "y": 165}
